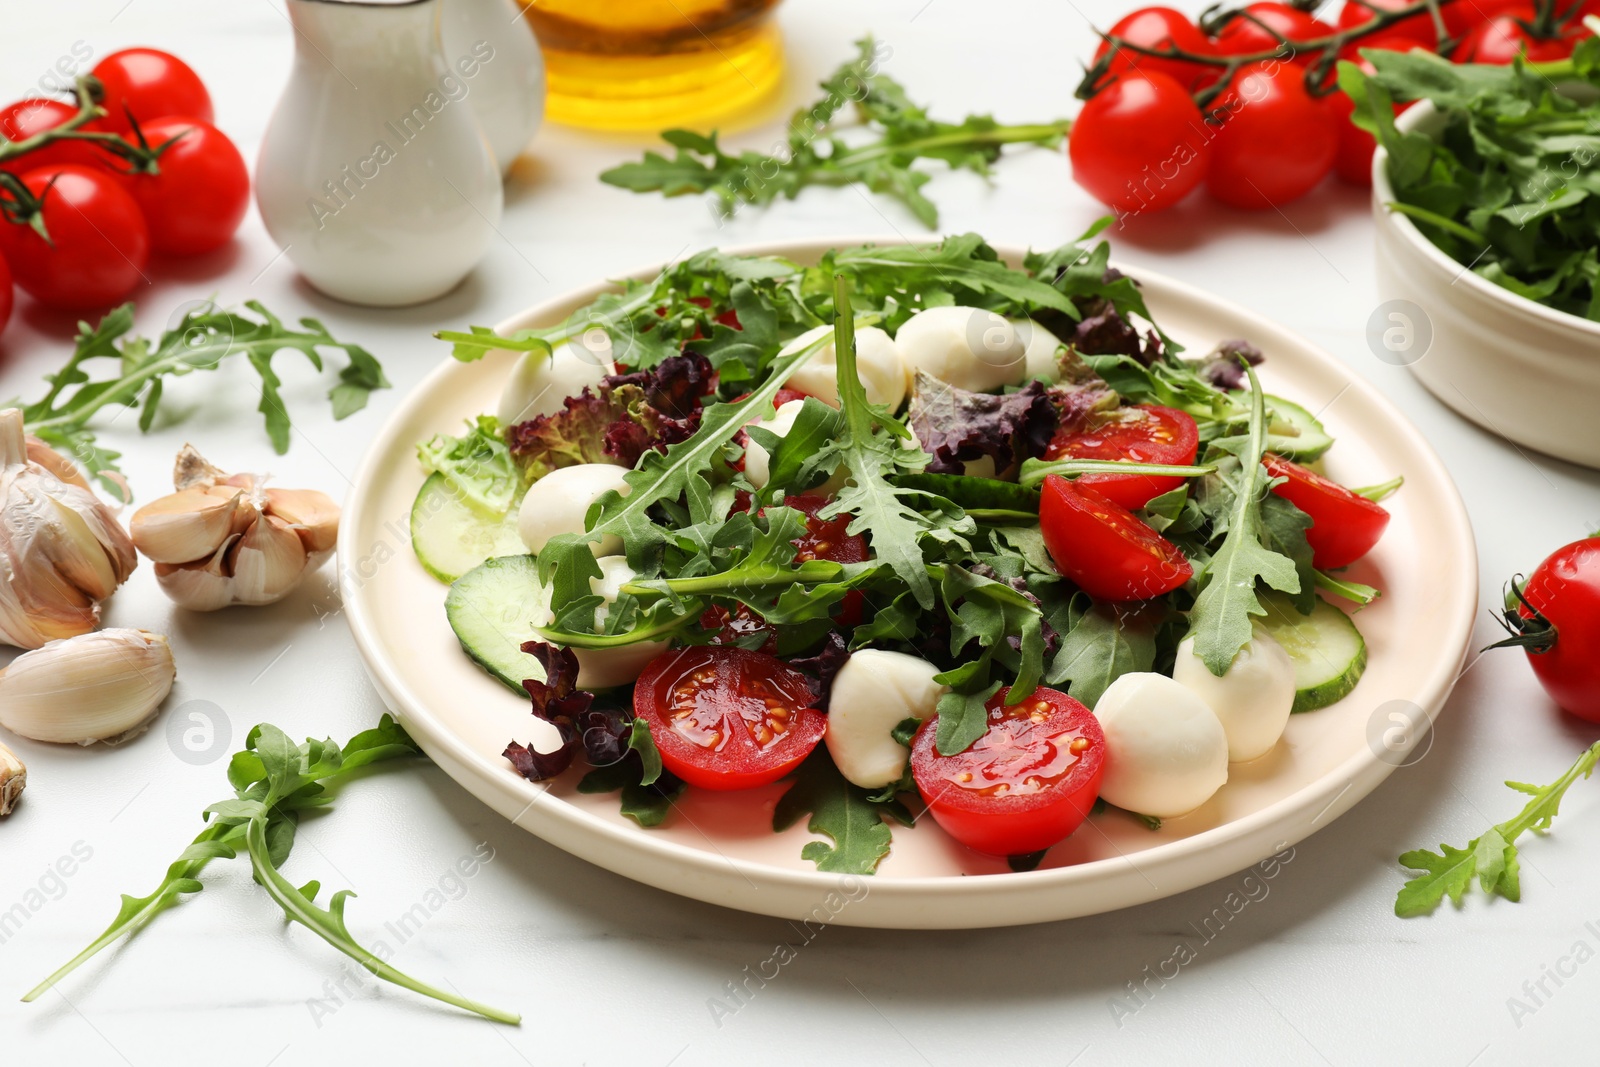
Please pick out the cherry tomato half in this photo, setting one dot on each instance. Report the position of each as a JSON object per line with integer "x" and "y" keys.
{"x": 1276, "y": 142}
{"x": 1344, "y": 525}
{"x": 99, "y": 245}
{"x": 25, "y": 118}
{"x": 1103, "y": 546}
{"x": 1145, "y": 432}
{"x": 831, "y": 540}
{"x": 1139, "y": 144}
{"x": 152, "y": 85}
{"x": 1023, "y": 786}
{"x": 1162, "y": 27}
{"x": 725, "y": 718}
{"x": 1503, "y": 37}
{"x": 199, "y": 196}
{"x": 1241, "y": 36}
{"x": 1565, "y": 590}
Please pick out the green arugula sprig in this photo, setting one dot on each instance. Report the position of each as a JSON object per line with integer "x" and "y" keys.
{"x": 1220, "y": 620}
{"x": 1490, "y": 859}
{"x": 903, "y": 133}
{"x": 200, "y": 341}
{"x": 274, "y": 781}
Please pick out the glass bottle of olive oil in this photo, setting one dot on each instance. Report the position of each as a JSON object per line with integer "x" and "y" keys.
{"x": 648, "y": 64}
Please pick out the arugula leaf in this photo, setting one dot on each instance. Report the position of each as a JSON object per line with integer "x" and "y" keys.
{"x": 1103, "y": 646}
{"x": 1220, "y": 618}
{"x": 840, "y": 811}
{"x": 1491, "y": 859}
{"x": 904, "y": 134}
{"x": 958, "y": 266}
{"x": 200, "y": 341}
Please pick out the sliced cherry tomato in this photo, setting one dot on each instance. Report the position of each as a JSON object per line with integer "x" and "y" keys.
{"x": 1103, "y": 546}
{"x": 1139, "y": 144}
{"x": 1353, "y": 164}
{"x": 201, "y": 191}
{"x": 99, "y": 245}
{"x": 1023, "y": 786}
{"x": 1506, "y": 36}
{"x": 831, "y": 540}
{"x": 1560, "y": 613}
{"x": 1145, "y": 432}
{"x": 25, "y": 118}
{"x": 1242, "y": 36}
{"x": 1417, "y": 27}
{"x": 1344, "y": 525}
{"x": 1276, "y": 142}
{"x": 725, "y": 718}
{"x": 784, "y": 395}
{"x": 7, "y": 295}
{"x": 152, "y": 85}
{"x": 1162, "y": 27}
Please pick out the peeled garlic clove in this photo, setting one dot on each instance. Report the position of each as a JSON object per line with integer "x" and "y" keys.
{"x": 186, "y": 526}
{"x": 104, "y": 686}
{"x": 43, "y": 455}
{"x": 267, "y": 562}
{"x": 314, "y": 516}
{"x": 13, "y": 780}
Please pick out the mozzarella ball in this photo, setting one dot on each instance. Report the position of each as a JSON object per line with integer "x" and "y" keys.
{"x": 968, "y": 348}
{"x": 1252, "y": 701}
{"x": 1039, "y": 350}
{"x": 540, "y": 385}
{"x": 879, "y": 366}
{"x": 872, "y": 694}
{"x": 602, "y": 668}
{"x": 557, "y": 503}
{"x": 756, "y": 459}
{"x": 1166, "y": 753}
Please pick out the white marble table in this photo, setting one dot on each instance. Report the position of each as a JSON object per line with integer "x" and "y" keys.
{"x": 607, "y": 971}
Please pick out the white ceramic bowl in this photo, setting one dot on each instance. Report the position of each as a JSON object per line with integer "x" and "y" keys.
{"x": 1518, "y": 368}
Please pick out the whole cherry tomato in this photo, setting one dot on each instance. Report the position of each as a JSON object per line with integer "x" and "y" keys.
{"x": 99, "y": 244}
{"x": 1353, "y": 164}
{"x": 200, "y": 191}
{"x": 1266, "y": 24}
{"x": 1157, "y": 28}
{"x": 1505, "y": 36}
{"x": 1139, "y": 144}
{"x": 152, "y": 85}
{"x": 1557, "y": 622}
{"x": 25, "y": 118}
{"x": 1419, "y": 27}
{"x": 1276, "y": 142}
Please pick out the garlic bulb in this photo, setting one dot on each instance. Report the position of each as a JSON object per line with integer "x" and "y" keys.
{"x": 62, "y": 550}
{"x": 103, "y": 686}
{"x": 13, "y": 779}
{"x": 226, "y": 539}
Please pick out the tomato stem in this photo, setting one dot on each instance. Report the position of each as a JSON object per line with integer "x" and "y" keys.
{"x": 1534, "y": 633}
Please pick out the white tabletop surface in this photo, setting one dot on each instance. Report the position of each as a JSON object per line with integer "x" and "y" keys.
{"x": 607, "y": 971}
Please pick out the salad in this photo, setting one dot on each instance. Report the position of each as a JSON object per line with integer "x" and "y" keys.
{"x": 910, "y": 528}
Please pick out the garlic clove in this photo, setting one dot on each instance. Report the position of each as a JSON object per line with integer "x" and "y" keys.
{"x": 13, "y": 780}
{"x": 196, "y": 586}
{"x": 54, "y": 462}
{"x": 188, "y": 525}
{"x": 104, "y": 686}
{"x": 267, "y": 562}
{"x": 314, "y": 516}
{"x": 191, "y": 470}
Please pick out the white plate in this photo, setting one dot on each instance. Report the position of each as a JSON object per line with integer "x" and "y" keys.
{"x": 720, "y": 847}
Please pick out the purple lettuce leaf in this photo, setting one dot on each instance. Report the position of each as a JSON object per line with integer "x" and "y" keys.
{"x": 955, "y": 426}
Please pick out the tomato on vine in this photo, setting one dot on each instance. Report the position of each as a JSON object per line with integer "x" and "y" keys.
{"x": 150, "y": 84}
{"x": 1517, "y": 32}
{"x": 1159, "y": 28}
{"x": 198, "y": 192}
{"x": 99, "y": 244}
{"x": 1260, "y": 26}
{"x": 1353, "y": 164}
{"x": 1139, "y": 144}
{"x": 1419, "y": 28}
{"x": 1276, "y": 142}
{"x": 25, "y": 118}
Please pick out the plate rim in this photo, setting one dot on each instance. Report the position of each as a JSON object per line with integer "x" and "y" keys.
{"x": 502, "y": 791}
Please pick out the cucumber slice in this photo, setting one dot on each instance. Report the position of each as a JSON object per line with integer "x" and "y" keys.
{"x": 491, "y": 608}
{"x": 451, "y": 536}
{"x": 1294, "y": 432}
{"x": 1328, "y": 652}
